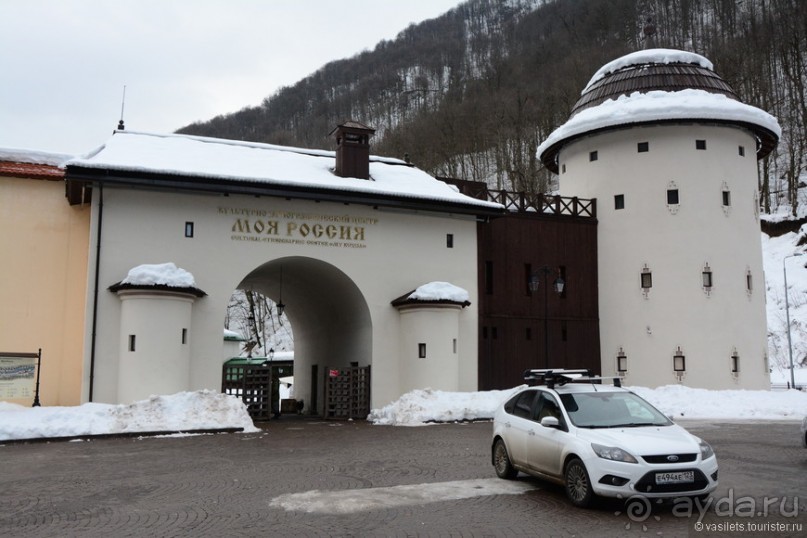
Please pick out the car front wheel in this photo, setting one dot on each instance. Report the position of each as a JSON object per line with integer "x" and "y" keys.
{"x": 578, "y": 484}
{"x": 501, "y": 461}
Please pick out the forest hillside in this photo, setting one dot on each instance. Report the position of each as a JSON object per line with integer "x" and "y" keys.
{"x": 472, "y": 93}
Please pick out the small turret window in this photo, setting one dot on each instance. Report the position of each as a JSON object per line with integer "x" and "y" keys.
{"x": 592, "y": 156}
{"x": 643, "y": 147}
{"x": 700, "y": 144}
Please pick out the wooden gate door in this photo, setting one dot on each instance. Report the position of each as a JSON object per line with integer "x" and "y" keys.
{"x": 347, "y": 392}
{"x": 253, "y": 384}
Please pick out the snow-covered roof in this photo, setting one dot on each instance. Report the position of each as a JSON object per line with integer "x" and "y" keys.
{"x": 649, "y": 56}
{"x": 159, "y": 276}
{"x": 199, "y": 161}
{"x": 435, "y": 292}
{"x": 644, "y": 87}
{"x": 167, "y": 274}
{"x": 34, "y": 157}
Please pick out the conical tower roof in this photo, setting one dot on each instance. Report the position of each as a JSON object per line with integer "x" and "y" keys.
{"x": 658, "y": 86}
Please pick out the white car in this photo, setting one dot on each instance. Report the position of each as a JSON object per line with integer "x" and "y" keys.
{"x": 598, "y": 439}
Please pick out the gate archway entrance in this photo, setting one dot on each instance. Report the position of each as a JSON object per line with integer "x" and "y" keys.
{"x": 329, "y": 315}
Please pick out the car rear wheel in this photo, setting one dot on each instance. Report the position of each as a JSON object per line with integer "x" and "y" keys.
{"x": 501, "y": 461}
{"x": 578, "y": 484}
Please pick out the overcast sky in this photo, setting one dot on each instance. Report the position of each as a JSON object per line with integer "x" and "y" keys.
{"x": 64, "y": 63}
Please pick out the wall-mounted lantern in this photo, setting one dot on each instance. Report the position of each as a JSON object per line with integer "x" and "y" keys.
{"x": 621, "y": 361}
{"x": 679, "y": 361}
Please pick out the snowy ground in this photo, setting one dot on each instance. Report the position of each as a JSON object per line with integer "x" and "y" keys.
{"x": 189, "y": 411}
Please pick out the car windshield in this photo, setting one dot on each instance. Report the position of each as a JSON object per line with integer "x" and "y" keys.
{"x": 611, "y": 410}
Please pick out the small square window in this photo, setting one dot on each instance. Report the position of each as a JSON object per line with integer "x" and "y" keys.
{"x": 619, "y": 201}
{"x": 726, "y": 198}
{"x": 672, "y": 196}
{"x": 421, "y": 351}
{"x": 188, "y": 229}
{"x": 741, "y": 151}
{"x": 643, "y": 147}
{"x": 132, "y": 342}
{"x": 593, "y": 156}
{"x": 450, "y": 240}
{"x": 700, "y": 144}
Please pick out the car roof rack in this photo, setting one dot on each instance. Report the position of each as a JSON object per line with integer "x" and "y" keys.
{"x": 560, "y": 376}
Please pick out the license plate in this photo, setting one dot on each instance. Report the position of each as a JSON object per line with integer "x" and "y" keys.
{"x": 681, "y": 477}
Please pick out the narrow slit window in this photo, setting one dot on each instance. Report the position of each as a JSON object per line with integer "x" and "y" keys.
{"x": 489, "y": 277}
{"x": 749, "y": 282}
{"x": 593, "y": 156}
{"x": 619, "y": 201}
{"x": 741, "y": 151}
{"x": 421, "y": 351}
{"x": 726, "y": 199}
{"x": 184, "y": 336}
{"x": 450, "y": 240}
{"x": 132, "y": 342}
{"x": 707, "y": 277}
{"x": 563, "y": 169}
{"x": 529, "y": 333}
{"x": 647, "y": 279}
{"x": 454, "y": 345}
{"x": 188, "y": 229}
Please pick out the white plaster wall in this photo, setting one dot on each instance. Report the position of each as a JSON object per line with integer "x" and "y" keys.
{"x": 675, "y": 245}
{"x": 436, "y": 326}
{"x": 160, "y": 362}
{"x": 400, "y": 251}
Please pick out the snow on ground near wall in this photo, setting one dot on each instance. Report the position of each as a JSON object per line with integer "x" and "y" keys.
{"x": 423, "y": 406}
{"x": 201, "y": 410}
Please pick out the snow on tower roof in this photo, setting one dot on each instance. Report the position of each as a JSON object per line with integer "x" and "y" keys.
{"x": 649, "y": 56}
{"x": 658, "y": 92}
{"x": 166, "y": 274}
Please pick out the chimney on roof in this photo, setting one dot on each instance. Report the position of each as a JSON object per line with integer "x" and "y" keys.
{"x": 353, "y": 149}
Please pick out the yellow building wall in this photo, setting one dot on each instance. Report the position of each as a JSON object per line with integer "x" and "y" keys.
{"x": 43, "y": 280}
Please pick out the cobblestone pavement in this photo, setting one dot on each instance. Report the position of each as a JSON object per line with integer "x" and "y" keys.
{"x": 224, "y": 485}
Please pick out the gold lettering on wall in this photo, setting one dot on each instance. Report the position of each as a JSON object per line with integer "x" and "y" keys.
{"x": 291, "y": 227}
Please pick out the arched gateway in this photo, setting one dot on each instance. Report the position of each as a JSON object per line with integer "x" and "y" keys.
{"x": 351, "y": 235}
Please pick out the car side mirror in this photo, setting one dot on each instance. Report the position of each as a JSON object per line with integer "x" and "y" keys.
{"x": 550, "y": 422}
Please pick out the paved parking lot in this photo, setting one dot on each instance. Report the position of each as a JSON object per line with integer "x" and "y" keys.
{"x": 389, "y": 481}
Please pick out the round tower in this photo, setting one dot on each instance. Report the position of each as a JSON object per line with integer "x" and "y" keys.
{"x": 670, "y": 154}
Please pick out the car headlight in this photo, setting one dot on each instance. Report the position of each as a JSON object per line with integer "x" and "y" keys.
{"x": 706, "y": 449}
{"x": 612, "y": 453}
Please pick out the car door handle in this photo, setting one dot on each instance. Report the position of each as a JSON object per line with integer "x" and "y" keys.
{"x": 506, "y": 424}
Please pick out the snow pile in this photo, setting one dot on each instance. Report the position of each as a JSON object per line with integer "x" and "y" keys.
{"x": 660, "y": 105}
{"x": 427, "y": 405}
{"x": 421, "y": 406}
{"x": 440, "y": 291}
{"x": 678, "y": 401}
{"x": 201, "y": 410}
{"x": 166, "y": 274}
{"x": 650, "y": 56}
